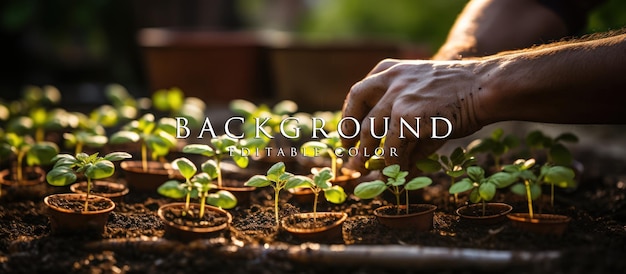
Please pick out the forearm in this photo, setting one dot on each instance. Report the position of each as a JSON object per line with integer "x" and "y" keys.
{"x": 487, "y": 27}
{"x": 580, "y": 82}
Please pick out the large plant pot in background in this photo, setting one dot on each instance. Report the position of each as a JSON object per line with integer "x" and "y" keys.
{"x": 546, "y": 224}
{"x": 147, "y": 181}
{"x": 32, "y": 186}
{"x": 112, "y": 190}
{"x": 204, "y": 63}
{"x": 327, "y": 229}
{"x": 187, "y": 228}
{"x": 318, "y": 76}
{"x": 420, "y": 216}
{"x": 495, "y": 213}
{"x": 66, "y": 215}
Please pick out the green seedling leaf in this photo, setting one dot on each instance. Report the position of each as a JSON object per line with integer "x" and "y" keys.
{"x": 185, "y": 166}
{"x": 117, "y": 156}
{"x": 475, "y": 173}
{"x": 222, "y": 199}
{"x": 418, "y": 183}
{"x": 502, "y": 179}
{"x": 61, "y": 176}
{"x": 240, "y": 160}
{"x": 560, "y": 155}
{"x": 100, "y": 169}
{"x": 275, "y": 171}
{"x": 242, "y": 107}
{"x": 285, "y": 107}
{"x": 122, "y": 137}
{"x": 461, "y": 186}
{"x": 560, "y": 176}
{"x": 392, "y": 171}
{"x": 369, "y": 190}
{"x": 41, "y": 153}
{"x": 475, "y": 196}
{"x": 428, "y": 165}
{"x": 172, "y": 189}
{"x": 335, "y": 194}
{"x": 487, "y": 191}
{"x": 298, "y": 181}
{"x": 313, "y": 149}
{"x": 210, "y": 167}
{"x": 199, "y": 149}
{"x": 322, "y": 179}
{"x": 258, "y": 181}
{"x": 375, "y": 163}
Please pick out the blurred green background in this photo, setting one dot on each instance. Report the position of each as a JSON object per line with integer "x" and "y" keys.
{"x": 83, "y": 45}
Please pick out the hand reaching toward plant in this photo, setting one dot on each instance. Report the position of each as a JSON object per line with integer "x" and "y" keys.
{"x": 567, "y": 82}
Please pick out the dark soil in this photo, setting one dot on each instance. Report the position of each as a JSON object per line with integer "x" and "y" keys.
{"x": 79, "y": 205}
{"x": 191, "y": 217}
{"x": 595, "y": 241}
{"x": 311, "y": 223}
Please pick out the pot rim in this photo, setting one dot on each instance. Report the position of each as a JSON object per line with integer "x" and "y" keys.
{"x": 343, "y": 218}
{"x": 160, "y": 213}
{"x": 76, "y": 196}
{"x": 136, "y": 166}
{"x": 429, "y": 208}
{"x": 7, "y": 172}
{"x": 473, "y": 217}
{"x": 123, "y": 190}
{"x": 539, "y": 218}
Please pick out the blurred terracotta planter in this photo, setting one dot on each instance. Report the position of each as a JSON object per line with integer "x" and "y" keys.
{"x": 146, "y": 181}
{"x": 32, "y": 185}
{"x": 183, "y": 229}
{"x": 112, "y": 190}
{"x": 330, "y": 70}
{"x": 204, "y": 63}
{"x": 547, "y": 224}
{"x": 66, "y": 215}
{"x": 495, "y": 213}
{"x": 420, "y": 216}
{"x": 327, "y": 228}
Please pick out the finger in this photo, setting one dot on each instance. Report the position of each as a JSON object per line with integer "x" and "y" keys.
{"x": 383, "y": 65}
{"x": 358, "y": 104}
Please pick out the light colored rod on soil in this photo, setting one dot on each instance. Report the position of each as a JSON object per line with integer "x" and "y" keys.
{"x": 416, "y": 257}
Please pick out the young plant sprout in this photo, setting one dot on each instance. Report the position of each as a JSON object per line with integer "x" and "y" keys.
{"x": 92, "y": 166}
{"x": 197, "y": 185}
{"x": 321, "y": 183}
{"x": 454, "y": 165}
{"x": 330, "y": 146}
{"x": 156, "y": 136}
{"x": 483, "y": 188}
{"x": 278, "y": 179}
{"x": 221, "y": 148}
{"x": 24, "y": 148}
{"x": 396, "y": 183}
{"x": 173, "y": 102}
{"x": 495, "y": 145}
{"x": 89, "y": 133}
{"x": 557, "y": 152}
{"x": 531, "y": 186}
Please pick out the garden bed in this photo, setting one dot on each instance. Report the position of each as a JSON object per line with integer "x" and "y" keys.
{"x": 595, "y": 241}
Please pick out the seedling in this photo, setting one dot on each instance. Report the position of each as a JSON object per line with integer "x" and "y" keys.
{"x": 275, "y": 115}
{"x": 89, "y": 133}
{"x": 197, "y": 185}
{"x": 24, "y": 148}
{"x": 454, "y": 165}
{"x": 330, "y": 147}
{"x": 557, "y": 152}
{"x": 92, "y": 167}
{"x": 278, "y": 179}
{"x": 531, "y": 186}
{"x": 496, "y": 145}
{"x": 221, "y": 148}
{"x": 483, "y": 189}
{"x": 157, "y": 136}
{"x": 173, "y": 102}
{"x": 321, "y": 183}
{"x": 396, "y": 183}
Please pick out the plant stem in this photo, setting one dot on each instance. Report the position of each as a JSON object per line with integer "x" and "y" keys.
{"x": 87, "y": 195}
{"x": 144, "y": 157}
{"x": 202, "y": 201}
{"x": 529, "y": 198}
{"x": 218, "y": 164}
{"x": 276, "y": 196}
{"x": 484, "y": 207}
{"x": 333, "y": 164}
{"x": 317, "y": 194}
{"x": 20, "y": 159}
{"x": 407, "y": 201}
{"x": 397, "y": 193}
{"x": 39, "y": 134}
{"x": 79, "y": 148}
{"x": 552, "y": 195}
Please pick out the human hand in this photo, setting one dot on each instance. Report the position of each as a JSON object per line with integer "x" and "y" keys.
{"x": 409, "y": 89}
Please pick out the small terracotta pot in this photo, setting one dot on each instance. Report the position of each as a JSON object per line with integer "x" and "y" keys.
{"x": 189, "y": 233}
{"x": 147, "y": 181}
{"x": 546, "y": 224}
{"x": 495, "y": 213}
{"x": 65, "y": 221}
{"x": 32, "y": 186}
{"x": 420, "y": 217}
{"x": 115, "y": 191}
{"x": 329, "y": 233}
{"x": 303, "y": 195}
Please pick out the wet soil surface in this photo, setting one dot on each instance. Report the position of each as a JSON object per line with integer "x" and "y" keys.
{"x": 595, "y": 241}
